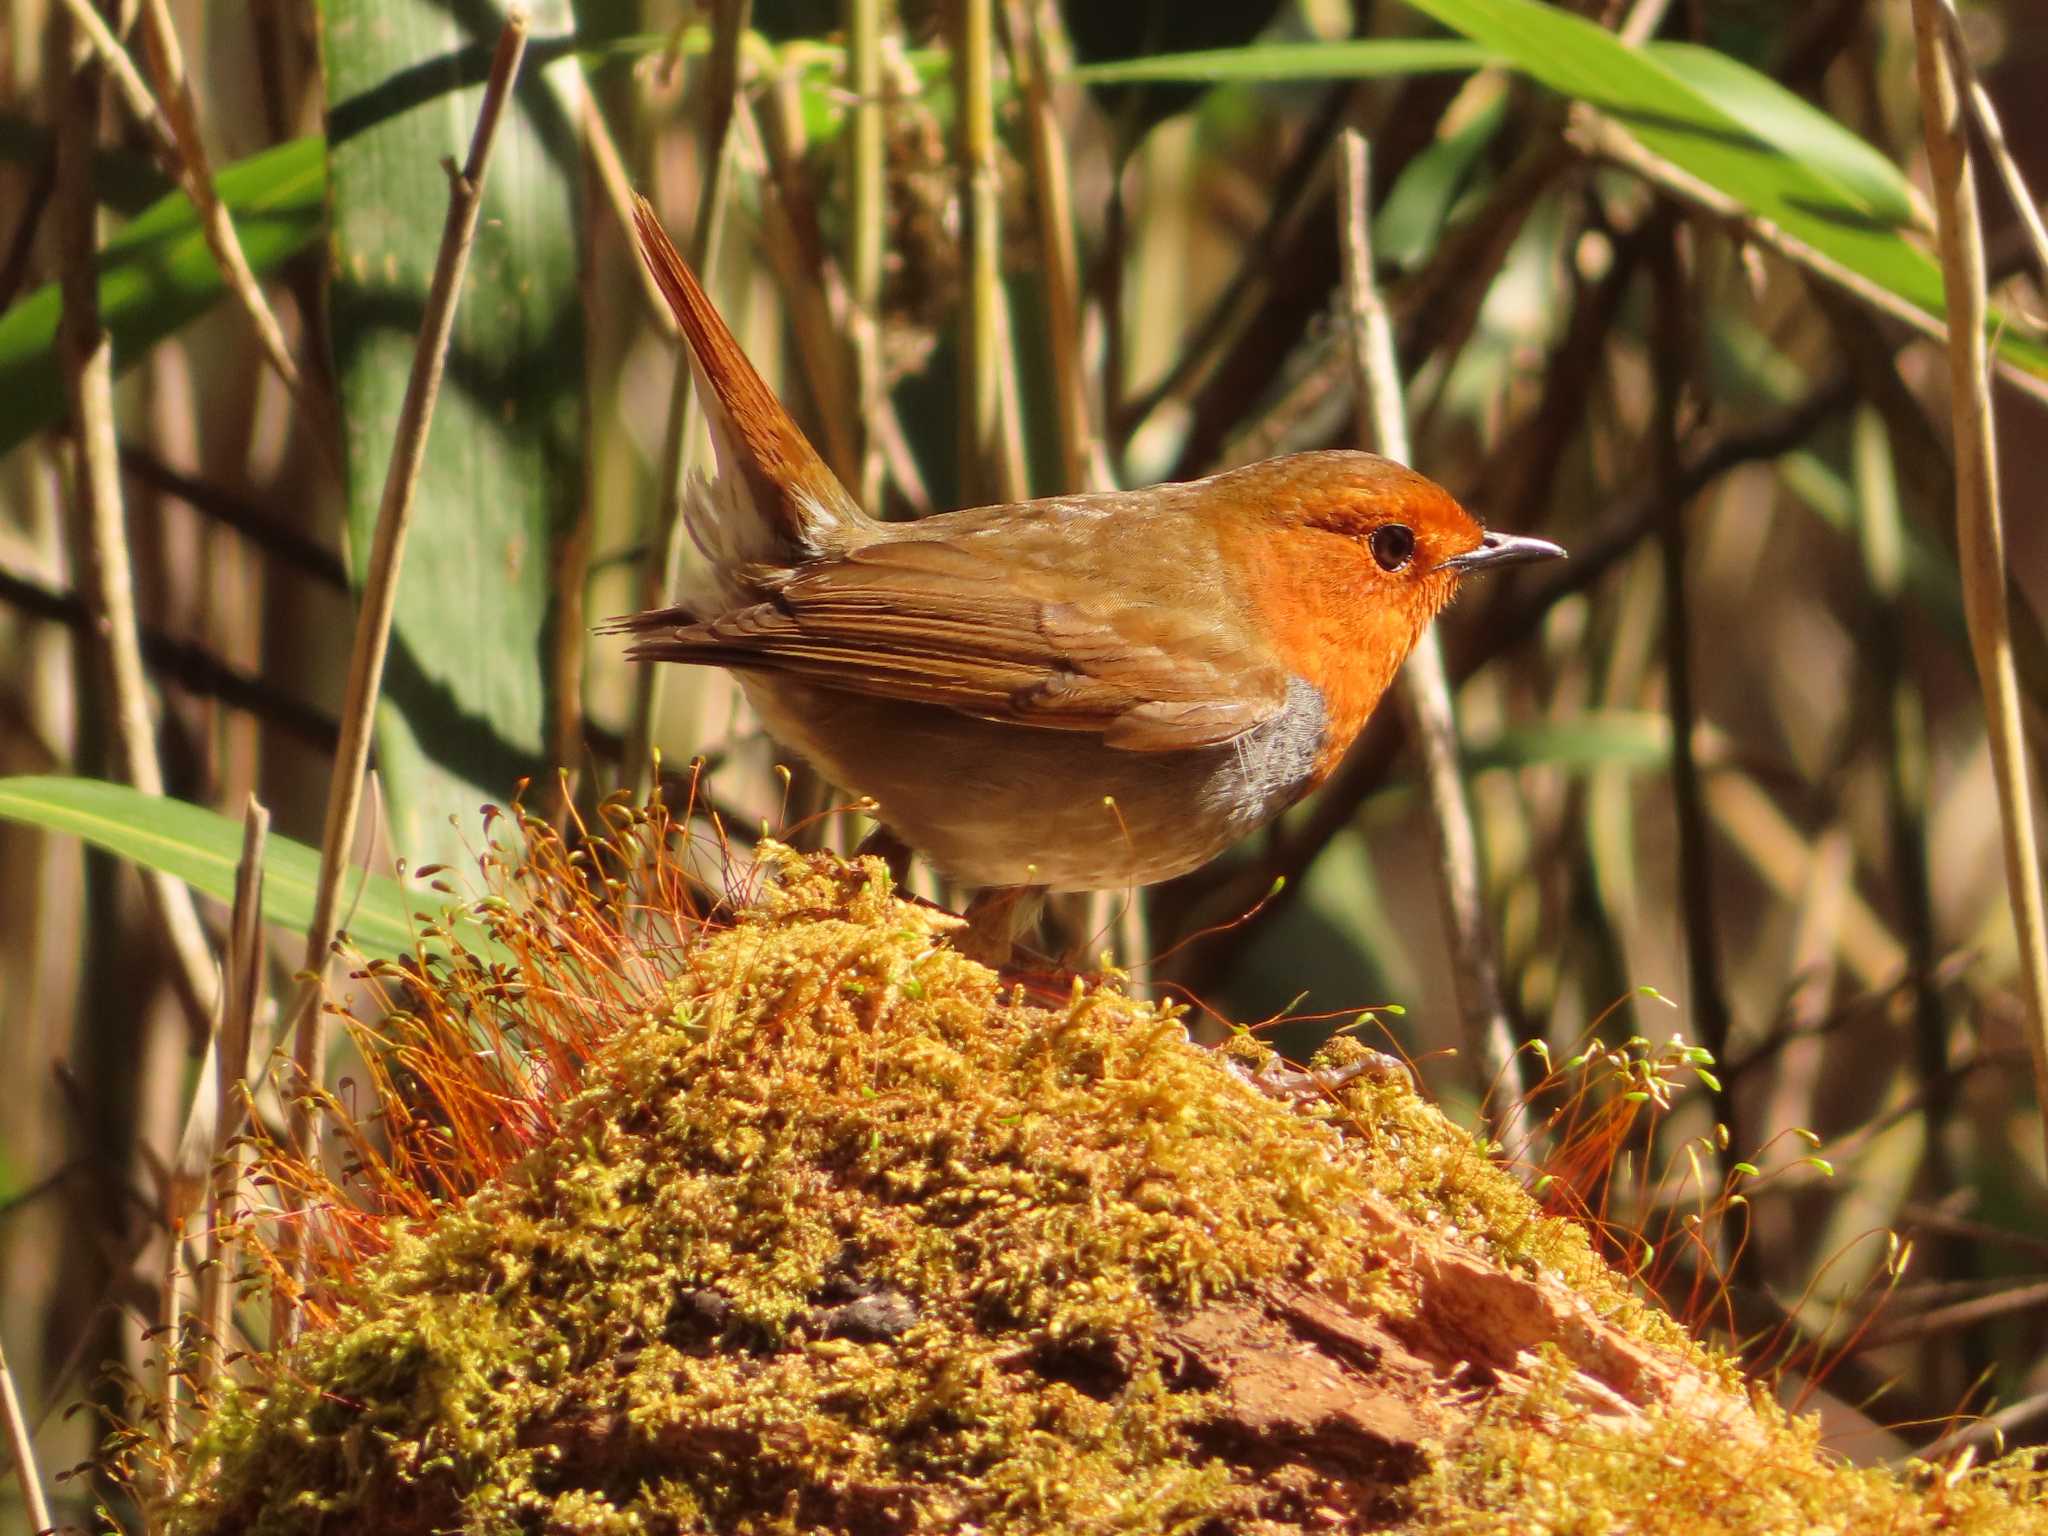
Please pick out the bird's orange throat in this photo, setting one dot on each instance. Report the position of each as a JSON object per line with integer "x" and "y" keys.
{"x": 1340, "y": 624}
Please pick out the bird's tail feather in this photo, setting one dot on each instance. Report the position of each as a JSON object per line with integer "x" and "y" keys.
{"x": 781, "y": 501}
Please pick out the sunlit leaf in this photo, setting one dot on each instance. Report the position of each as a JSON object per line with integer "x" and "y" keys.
{"x": 1365, "y": 59}
{"x": 468, "y": 693}
{"x": 158, "y": 275}
{"x": 1722, "y": 137}
{"x": 1793, "y": 124}
{"x": 202, "y": 848}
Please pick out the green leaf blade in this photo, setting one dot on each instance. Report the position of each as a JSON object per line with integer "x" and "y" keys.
{"x": 1273, "y": 63}
{"x": 158, "y": 275}
{"x": 468, "y": 701}
{"x": 1669, "y": 116}
{"x": 202, "y": 848}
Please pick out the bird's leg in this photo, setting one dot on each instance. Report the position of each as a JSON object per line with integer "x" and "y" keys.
{"x": 891, "y": 850}
{"x": 996, "y": 919}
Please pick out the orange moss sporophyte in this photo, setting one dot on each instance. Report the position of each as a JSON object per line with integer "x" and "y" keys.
{"x": 798, "y": 1219}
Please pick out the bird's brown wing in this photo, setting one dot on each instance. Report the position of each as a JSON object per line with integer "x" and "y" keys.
{"x": 928, "y": 622}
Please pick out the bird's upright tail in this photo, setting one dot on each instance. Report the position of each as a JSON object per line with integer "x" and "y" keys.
{"x": 775, "y": 500}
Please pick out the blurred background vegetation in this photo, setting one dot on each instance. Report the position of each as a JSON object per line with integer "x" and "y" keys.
{"x": 1747, "y": 456}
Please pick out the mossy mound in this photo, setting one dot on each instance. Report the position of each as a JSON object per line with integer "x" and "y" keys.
{"x": 844, "y": 1238}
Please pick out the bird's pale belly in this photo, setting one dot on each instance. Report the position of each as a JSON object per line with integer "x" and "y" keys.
{"x": 999, "y": 805}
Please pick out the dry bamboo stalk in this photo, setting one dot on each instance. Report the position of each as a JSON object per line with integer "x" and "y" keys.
{"x": 107, "y": 580}
{"x": 867, "y": 191}
{"x": 1425, "y": 689}
{"x": 665, "y": 542}
{"x": 1980, "y": 538}
{"x": 238, "y": 1027}
{"x": 991, "y": 452}
{"x": 379, "y": 598}
{"x": 172, "y": 128}
{"x": 23, "y": 1447}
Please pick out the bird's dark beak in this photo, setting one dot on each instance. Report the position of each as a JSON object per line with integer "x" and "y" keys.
{"x": 1498, "y": 549}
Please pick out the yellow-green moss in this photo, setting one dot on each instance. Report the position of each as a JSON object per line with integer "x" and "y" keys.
{"x": 1541, "y": 1464}
{"x": 806, "y": 1227}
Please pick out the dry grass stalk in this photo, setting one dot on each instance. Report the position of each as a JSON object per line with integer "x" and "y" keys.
{"x": 1424, "y": 686}
{"x": 380, "y": 582}
{"x": 172, "y": 128}
{"x": 867, "y": 191}
{"x": 23, "y": 1447}
{"x": 100, "y": 535}
{"x": 664, "y": 561}
{"x": 1082, "y": 464}
{"x": 231, "y": 1093}
{"x": 1980, "y": 537}
{"x": 1602, "y": 138}
{"x": 991, "y": 451}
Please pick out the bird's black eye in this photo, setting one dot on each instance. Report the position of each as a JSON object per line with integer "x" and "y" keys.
{"x": 1393, "y": 545}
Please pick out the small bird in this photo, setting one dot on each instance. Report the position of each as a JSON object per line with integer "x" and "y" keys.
{"x": 1075, "y": 693}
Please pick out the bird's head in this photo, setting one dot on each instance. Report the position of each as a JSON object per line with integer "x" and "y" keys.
{"x": 1345, "y": 558}
{"x": 1412, "y": 543}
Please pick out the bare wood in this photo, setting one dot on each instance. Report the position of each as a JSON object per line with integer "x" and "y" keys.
{"x": 100, "y": 532}
{"x": 991, "y": 457}
{"x": 665, "y": 541}
{"x": 231, "y": 1091}
{"x": 23, "y": 1447}
{"x": 868, "y": 188}
{"x": 1995, "y": 146}
{"x": 380, "y": 587}
{"x": 618, "y": 197}
{"x": 1980, "y": 538}
{"x": 1425, "y": 688}
{"x": 1081, "y": 462}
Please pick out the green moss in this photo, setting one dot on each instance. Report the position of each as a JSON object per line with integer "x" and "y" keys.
{"x": 840, "y": 1236}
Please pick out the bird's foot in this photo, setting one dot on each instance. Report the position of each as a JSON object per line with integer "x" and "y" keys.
{"x": 996, "y": 919}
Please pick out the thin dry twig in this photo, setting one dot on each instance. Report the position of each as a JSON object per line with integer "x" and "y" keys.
{"x": 1980, "y": 539}
{"x": 1994, "y": 141}
{"x": 1082, "y": 465}
{"x": 1424, "y": 688}
{"x": 1669, "y": 345}
{"x": 1958, "y": 1315}
{"x": 618, "y": 197}
{"x": 244, "y": 970}
{"x": 664, "y": 565}
{"x": 380, "y": 590}
{"x": 107, "y": 579}
{"x": 991, "y": 451}
{"x": 23, "y": 1446}
{"x": 867, "y": 192}
{"x": 1642, "y": 22}
{"x": 172, "y": 129}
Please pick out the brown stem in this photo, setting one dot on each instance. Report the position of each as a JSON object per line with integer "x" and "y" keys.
{"x": 380, "y": 594}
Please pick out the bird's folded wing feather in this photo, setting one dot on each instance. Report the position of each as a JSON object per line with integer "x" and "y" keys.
{"x": 930, "y": 623}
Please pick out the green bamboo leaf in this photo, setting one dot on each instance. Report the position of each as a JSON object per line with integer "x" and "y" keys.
{"x": 468, "y": 693}
{"x": 1406, "y": 229}
{"x": 202, "y": 848}
{"x": 1797, "y": 127}
{"x": 1674, "y": 118}
{"x": 157, "y": 275}
{"x": 1269, "y": 62}
{"x": 125, "y": 180}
